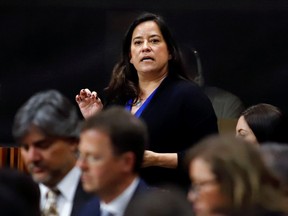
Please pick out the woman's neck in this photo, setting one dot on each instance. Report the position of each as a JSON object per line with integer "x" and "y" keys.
{"x": 148, "y": 85}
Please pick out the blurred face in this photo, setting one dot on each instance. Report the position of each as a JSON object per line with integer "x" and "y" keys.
{"x": 102, "y": 171}
{"x": 149, "y": 52}
{"x": 244, "y": 131}
{"x": 48, "y": 159}
{"x": 205, "y": 193}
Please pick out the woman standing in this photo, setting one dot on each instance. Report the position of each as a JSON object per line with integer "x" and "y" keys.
{"x": 150, "y": 82}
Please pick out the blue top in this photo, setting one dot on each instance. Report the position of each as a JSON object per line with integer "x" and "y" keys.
{"x": 128, "y": 105}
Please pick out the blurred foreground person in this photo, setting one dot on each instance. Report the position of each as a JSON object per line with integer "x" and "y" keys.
{"x": 170, "y": 202}
{"x": 276, "y": 157}
{"x": 111, "y": 151}
{"x": 19, "y": 194}
{"x": 46, "y": 128}
{"x": 229, "y": 177}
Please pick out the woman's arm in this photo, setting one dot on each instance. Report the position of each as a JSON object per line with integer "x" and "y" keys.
{"x": 167, "y": 160}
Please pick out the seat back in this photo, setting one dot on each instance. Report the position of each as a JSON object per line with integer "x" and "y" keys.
{"x": 11, "y": 157}
{"x": 227, "y": 126}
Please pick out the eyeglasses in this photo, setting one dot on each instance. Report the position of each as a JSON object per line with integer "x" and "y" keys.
{"x": 89, "y": 159}
{"x": 197, "y": 187}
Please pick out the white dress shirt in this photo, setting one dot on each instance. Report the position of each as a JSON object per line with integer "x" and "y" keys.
{"x": 67, "y": 187}
{"x": 119, "y": 204}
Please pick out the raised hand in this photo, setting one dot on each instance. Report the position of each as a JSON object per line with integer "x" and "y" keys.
{"x": 88, "y": 102}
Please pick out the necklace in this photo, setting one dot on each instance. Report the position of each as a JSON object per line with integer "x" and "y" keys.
{"x": 139, "y": 102}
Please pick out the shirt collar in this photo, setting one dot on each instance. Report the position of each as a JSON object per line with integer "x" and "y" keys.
{"x": 119, "y": 204}
{"x": 67, "y": 186}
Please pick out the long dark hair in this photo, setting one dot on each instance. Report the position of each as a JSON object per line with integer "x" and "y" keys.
{"x": 124, "y": 82}
{"x": 267, "y": 122}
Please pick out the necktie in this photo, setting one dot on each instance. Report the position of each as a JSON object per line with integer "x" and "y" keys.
{"x": 50, "y": 208}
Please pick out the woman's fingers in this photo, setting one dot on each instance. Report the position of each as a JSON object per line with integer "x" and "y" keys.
{"x": 78, "y": 98}
{"x": 85, "y": 95}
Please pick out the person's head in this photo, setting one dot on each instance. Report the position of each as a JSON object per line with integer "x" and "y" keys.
{"x": 192, "y": 63}
{"x": 111, "y": 150}
{"x": 19, "y": 194}
{"x": 276, "y": 157}
{"x": 227, "y": 174}
{"x": 261, "y": 123}
{"x": 157, "y": 202}
{"x": 148, "y": 47}
{"x": 160, "y": 43}
{"x": 46, "y": 127}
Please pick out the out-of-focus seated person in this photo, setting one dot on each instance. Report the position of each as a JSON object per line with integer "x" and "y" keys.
{"x": 226, "y": 104}
{"x": 229, "y": 177}
{"x": 262, "y": 123}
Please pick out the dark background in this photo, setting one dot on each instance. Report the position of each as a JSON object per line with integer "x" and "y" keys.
{"x": 69, "y": 45}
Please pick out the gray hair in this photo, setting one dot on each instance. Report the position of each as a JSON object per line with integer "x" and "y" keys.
{"x": 50, "y": 112}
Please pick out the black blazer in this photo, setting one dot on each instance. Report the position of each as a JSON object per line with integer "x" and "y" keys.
{"x": 177, "y": 117}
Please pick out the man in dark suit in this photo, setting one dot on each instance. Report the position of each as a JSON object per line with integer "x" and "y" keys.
{"x": 112, "y": 144}
{"x": 46, "y": 127}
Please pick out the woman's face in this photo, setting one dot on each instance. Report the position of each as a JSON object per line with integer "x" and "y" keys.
{"x": 149, "y": 52}
{"x": 244, "y": 131}
{"x": 205, "y": 193}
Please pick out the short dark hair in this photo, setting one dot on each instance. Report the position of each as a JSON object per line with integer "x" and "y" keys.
{"x": 50, "y": 112}
{"x": 19, "y": 194}
{"x": 156, "y": 202}
{"x": 127, "y": 132}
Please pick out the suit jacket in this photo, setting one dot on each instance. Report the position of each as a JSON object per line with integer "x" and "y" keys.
{"x": 80, "y": 199}
{"x": 92, "y": 208}
{"x": 80, "y": 196}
